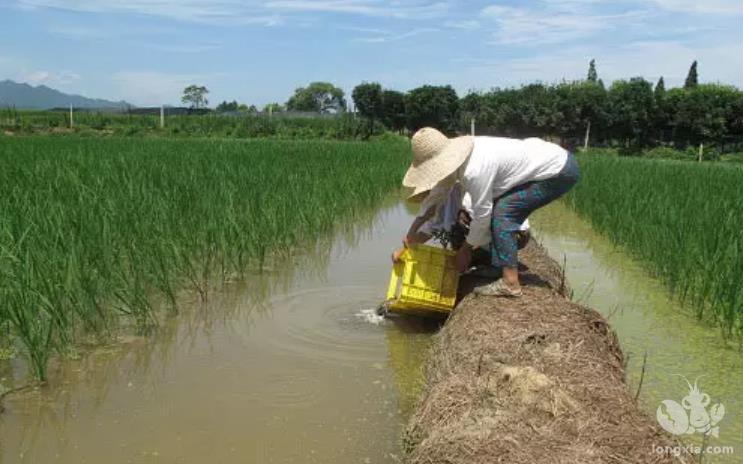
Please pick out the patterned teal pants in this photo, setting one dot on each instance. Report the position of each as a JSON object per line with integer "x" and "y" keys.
{"x": 514, "y": 206}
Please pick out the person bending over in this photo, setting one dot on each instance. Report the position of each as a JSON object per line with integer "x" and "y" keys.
{"x": 506, "y": 179}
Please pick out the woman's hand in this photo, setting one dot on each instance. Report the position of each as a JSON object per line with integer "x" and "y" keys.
{"x": 463, "y": 257}
{"x": 406, "y": 242}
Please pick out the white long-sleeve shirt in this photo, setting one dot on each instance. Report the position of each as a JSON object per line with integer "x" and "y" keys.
{"x": 495, "y": 166}
{"x": 448, "y": 214}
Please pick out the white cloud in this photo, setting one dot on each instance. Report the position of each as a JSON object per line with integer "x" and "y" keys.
{"x": 381, "y": 36}
{"x": 387, "y": 8}
{"x": 186, "y": 48}
{"x": 366, "y": 30}
{"x": 154, "y": 88}
{"x": 48, "y": 77}
{"x": 255, "y": 12}
{"x": 17, "y": 69}
{"x": 540, "y": 26}
{"x": 649, "y": 59}
{"x": 79, "y": 33}
{"x": 652, "y": 59}
{"x": 466, "y": 24}
{"x": 719, "y": 7}
{"x": 35, "y": 77}
{"x": 203, "y": 11}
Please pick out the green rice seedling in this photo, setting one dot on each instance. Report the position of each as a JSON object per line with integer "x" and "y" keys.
{"x": 682, "y": 219}
{"x": 93, "y": 230}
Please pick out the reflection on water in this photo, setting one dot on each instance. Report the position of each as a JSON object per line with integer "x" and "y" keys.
{"x": 408, "y": 347}
{"x": 275, "y": 368}
{"x": 648, "y": 320}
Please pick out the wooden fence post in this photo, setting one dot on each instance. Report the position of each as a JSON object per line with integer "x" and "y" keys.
{"x": 71, "y": 123}
{"x": 588, "y": 136}
{"x": 701, "y": 151}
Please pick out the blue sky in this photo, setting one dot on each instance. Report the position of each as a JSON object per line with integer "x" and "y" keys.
{"x": 146, "y": 51}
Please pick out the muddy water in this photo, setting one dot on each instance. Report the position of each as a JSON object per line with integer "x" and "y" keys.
{"x": 648, "y": 320}
{"x": 285, "y": 369}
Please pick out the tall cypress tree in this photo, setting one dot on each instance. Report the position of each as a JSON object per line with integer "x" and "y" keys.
{"x": 660, "y": 111}
{"x": 592, "y": 74}
{"x": 692, "y": 80}
{"x": 660, "y": 89}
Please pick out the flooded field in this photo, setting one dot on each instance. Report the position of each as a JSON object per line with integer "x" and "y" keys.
{"x": 648, "y": 321}
{"x": 292, "y": 368}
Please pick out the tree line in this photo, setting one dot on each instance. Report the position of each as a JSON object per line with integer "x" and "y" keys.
{"x": 317, "y": 97}
{"x": 631, "y": 113}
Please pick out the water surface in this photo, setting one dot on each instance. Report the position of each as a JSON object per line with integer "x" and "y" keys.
{"x": 288, "y": 367}
{"x": 284, "y": 368}
{"x": 648, "y": 320}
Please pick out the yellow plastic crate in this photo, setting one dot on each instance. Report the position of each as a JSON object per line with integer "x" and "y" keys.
{"x": 424, "y": 279}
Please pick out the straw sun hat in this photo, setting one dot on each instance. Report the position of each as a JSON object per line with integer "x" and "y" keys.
{"x": 435, "y": 156}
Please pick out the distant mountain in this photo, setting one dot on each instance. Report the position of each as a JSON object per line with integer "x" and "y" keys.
{"x": 24, "y": 96}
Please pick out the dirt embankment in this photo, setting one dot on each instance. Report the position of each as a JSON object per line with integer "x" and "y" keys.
{"x": 532, "y": 380}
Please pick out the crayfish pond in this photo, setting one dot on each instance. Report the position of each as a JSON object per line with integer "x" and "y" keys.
{"x": 292, "y": 366}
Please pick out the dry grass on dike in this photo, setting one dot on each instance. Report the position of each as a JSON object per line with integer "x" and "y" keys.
{"x": 538, "y": 379}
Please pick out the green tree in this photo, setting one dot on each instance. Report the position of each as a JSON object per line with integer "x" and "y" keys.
{"x": 368, "y": 99}
{"x": 195, "y": 96}
{"x": 692, "y": 79}
{"x": 631, "y": 106}
{"x": 735, "y": 121}
{"x": 393, "y": 110}
{"x": 592, "y": 74}
{"x": 660, "y": 89}
{"x": 660, "y": 111}
{"x": 225, "y": 107}
{"x": 535, "y": 106}
{"x": 473, "y": 106}
{"x": 432, "y": 106}
{"x": 701, "y": 114}
{"x": 499, "y": 112}
{"x": 273, "y": 108}
{"x": 319, "y": 97}
{"x": 577, "y": 105}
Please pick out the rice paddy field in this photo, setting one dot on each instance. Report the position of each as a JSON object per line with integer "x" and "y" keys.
{"x": 103, "y": 238}
{"x": 682, "y": 219}
{"x": 100, "y": 232}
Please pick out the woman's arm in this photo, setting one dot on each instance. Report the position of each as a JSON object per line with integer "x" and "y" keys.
{"x": 428, "y": 209}
{"x": 414, "y": 235}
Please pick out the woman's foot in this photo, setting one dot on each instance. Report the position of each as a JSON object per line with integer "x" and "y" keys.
{"x": 498, "y": 288}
